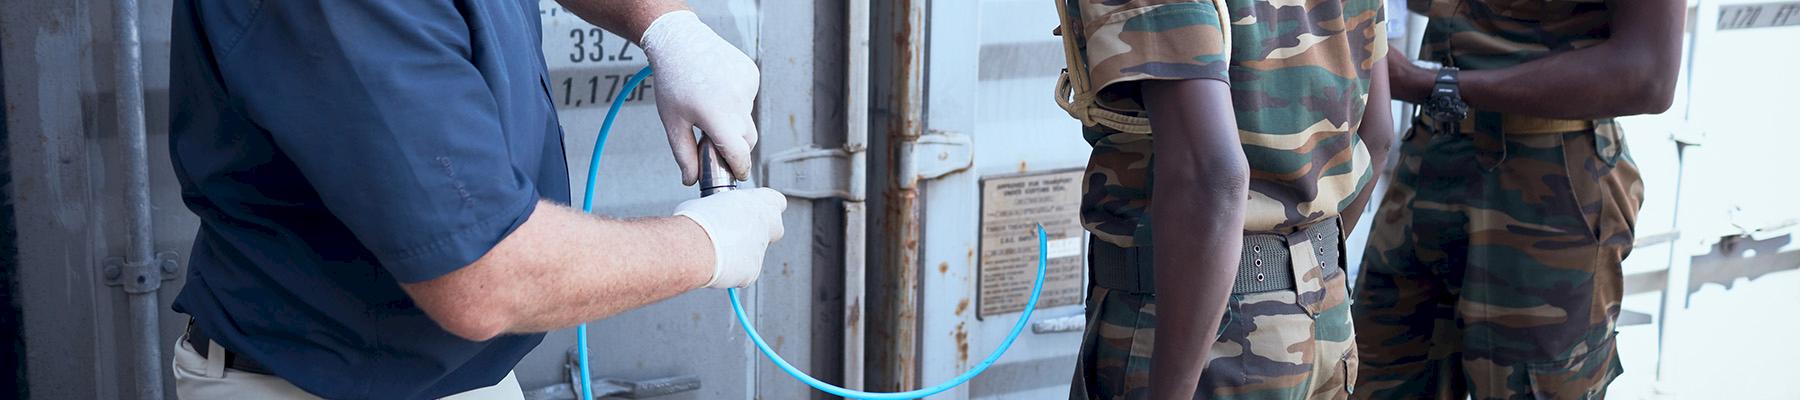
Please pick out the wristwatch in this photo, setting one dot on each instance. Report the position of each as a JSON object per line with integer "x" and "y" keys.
{"x": 1446, "y": 105}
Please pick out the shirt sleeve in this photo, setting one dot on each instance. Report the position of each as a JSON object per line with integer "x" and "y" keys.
{"x": 1154, "y": 40}
{"x": 1371, "y": 14}
{"x": 382, "y": 110}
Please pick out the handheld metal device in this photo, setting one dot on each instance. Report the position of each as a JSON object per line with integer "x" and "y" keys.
{"x": 714, "y": 177}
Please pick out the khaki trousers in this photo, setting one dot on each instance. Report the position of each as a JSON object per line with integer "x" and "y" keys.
{"x": 201, "y": 378}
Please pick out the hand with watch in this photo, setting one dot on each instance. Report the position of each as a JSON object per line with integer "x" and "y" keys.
{"x": 1445, "y": 106}
{"x": 1433, "y": 86}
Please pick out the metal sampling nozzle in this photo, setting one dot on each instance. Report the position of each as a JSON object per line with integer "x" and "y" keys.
{"x": 714, "y": 177}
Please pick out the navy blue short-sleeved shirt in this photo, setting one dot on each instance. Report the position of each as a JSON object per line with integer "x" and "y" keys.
{"x": 335, "y": 149}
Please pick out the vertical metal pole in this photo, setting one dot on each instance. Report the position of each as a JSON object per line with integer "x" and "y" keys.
{"x": 142, "y": 276}
{"x": 856, "y": 144}
{"x": 1680, "y": 257}
{"x": 905, "y": 126}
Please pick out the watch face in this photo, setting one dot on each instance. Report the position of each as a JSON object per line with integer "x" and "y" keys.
{"x": 1444, "y": 108}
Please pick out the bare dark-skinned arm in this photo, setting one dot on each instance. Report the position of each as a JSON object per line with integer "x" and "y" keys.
{"x": 1633, "y": 72}
{"x": 1377, "y": 134}
{"x": 1201, "y": 187}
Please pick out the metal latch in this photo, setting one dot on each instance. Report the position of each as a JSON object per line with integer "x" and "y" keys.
{"x": 820, "y": 173}
{"x": 615, "y": 388}
{"x": 1688, "y": 135}
{"x": 938, "y": 153}
{"x": 140, "y": 280}
{"x": 1072, "y": 323}
{"x": 810, "y": 172}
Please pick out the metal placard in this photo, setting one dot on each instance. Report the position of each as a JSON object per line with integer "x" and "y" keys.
{"x": 1011, "y": 209}
{"x": 1764, "y": 15}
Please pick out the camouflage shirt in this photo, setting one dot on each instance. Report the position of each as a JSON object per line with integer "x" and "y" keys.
{"x": 1299, "y": 72}
{"x": 1490, "y": 34}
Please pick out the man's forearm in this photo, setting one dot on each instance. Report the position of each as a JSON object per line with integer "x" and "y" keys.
{"x": 1633, "y": 72}
{"x": 562, "y": 268}
{"x": 1377, "y": 134}
{"x": 1202, "y": 181}
{"x": 627, "y": 18}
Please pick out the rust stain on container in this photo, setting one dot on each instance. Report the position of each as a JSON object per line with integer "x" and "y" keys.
{"x": 962, "y": 306}
{"x": 944, "y": 268}
{"x": 1022, "y": 167}
{"x": 854, "y": 316}
{"x": 962, "y": 345}
{"x": 894, "y": 345}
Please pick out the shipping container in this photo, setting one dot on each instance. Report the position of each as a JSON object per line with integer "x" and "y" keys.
{"x": 919, "y": 147}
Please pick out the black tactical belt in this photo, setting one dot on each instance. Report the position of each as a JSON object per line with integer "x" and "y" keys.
{"x": 200, "y": 342}
{"x": 1266, "y": 263}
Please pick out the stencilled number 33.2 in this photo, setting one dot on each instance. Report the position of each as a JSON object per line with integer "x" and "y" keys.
{"x": 589, "y": 47}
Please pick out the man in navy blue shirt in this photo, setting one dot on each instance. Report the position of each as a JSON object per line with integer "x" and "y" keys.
{"x": 382, "y": 189}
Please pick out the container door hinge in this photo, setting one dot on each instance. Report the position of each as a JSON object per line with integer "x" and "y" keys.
{"x": 939, "y": 153}
{"x": 612, "y": 388}
{"x": 142, "y": 278}
{"x": 811, "y": 172}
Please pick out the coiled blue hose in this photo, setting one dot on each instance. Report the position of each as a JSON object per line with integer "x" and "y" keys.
{"x": 737, "y": 306}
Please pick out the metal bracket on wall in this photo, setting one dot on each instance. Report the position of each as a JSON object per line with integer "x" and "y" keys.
{"x": 821, "y": 173}
{"x": 612, "y": 388}
{"x": 137, "y": 278}
{"x": 1688, "y": 135}
{"x": 810, "y": 172}
{"x": 938, "y": 153}
{"x": 1072, "y": 323}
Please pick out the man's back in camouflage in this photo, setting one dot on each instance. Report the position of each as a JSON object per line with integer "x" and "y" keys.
{"x": 1493, "y": 269}
{"x": 1299, "y": 76}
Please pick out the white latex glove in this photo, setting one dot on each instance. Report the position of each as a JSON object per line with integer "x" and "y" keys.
{"x": 741, "y": 223}
{"x": 702, "y": 81}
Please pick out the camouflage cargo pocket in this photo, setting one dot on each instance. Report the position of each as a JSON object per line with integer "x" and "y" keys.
{"x": 1582, "y": 377}
{"x": 1114, "y": 363}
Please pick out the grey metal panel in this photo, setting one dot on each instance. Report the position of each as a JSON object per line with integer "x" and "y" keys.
{"x": 801, "y": 289}
{"x": 61, "y": 294}
{"x": 696, "y": 333}
{"x": 991, "y": 65}
{"x": 66, "y": 163}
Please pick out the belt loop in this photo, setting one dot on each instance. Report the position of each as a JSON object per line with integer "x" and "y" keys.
{"x": 1143, "y": 260}
{"x": 1503, "y": 153}
{"x": 1490, "y": 126}
{"x": 215, "y": 359}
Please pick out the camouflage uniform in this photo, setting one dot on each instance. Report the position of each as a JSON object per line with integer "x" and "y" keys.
{"x": 1493, "y": 268}
{"x": 1299, "y": 73}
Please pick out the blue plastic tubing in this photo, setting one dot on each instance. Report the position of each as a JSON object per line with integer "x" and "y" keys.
{"x": 737, "y": 306}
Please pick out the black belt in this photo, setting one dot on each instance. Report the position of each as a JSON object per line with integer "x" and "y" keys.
{"x": 200, "y": 341}
{"x": 1265, "y": 263}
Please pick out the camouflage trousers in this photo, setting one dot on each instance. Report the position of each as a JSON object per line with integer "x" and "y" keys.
{"x": 1493, "y": 268}
{"x": 1270, "y": 345}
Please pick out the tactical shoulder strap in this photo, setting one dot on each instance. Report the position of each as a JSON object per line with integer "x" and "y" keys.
{"x": 1075, "y": 93}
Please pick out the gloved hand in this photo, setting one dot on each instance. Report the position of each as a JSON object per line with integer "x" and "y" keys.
{"x": 741, "y": 223}
{"x": 703, "y": 81}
